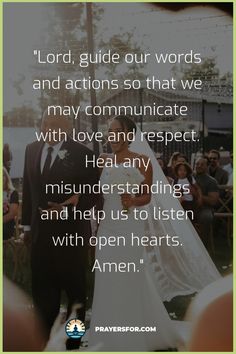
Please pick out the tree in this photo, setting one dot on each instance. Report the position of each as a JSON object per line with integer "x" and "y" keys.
{"x": 209, "y": 74}
{"x": 122, "y": 44}
{"x": 205, "y": 71}
{"x": 66, "y": 29}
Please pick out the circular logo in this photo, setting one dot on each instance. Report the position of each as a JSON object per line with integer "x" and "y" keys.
{"x": 75, "y": 328}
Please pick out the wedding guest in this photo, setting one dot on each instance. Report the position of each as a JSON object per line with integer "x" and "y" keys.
{"x": 10, "y": 206}
{"x": 184, "y": 177}
{"x": 210, "y": 197}
{"x": 181, "y": 158}
{"x": 7, "y": 157}
{"x": 215, "y": 170}
{"x": 229, "y": 190}
{"x": 229, "y": 168}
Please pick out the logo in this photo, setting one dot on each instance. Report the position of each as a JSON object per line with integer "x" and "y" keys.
{"x": 75, "y": 328}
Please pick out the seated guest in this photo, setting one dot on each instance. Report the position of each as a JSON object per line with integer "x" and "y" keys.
{"x": 210, "y": 197}
{"x": 215, "y": 170}
{"x": 10, "y": 206}
{"x": 184, "y": 177}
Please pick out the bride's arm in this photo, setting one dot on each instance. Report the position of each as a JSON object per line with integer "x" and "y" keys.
{"x": 142, "y": 199}
{"x": 74, "y": 199}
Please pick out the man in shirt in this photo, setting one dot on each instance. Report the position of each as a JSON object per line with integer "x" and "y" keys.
{"x": 215, "y": 170}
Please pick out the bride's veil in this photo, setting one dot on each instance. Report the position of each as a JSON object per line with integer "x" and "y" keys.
{"x": 176, "y": 270}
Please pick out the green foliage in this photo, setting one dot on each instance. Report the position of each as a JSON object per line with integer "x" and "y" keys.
{"x": 206, "y": 71}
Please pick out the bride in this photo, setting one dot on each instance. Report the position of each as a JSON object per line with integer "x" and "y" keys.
{"x": 128, "y": 312}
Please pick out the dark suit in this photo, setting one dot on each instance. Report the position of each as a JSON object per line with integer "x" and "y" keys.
{"x": 56, "y": 268}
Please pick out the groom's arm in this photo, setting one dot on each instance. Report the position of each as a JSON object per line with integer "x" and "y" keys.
{"x": 91, "y": 177}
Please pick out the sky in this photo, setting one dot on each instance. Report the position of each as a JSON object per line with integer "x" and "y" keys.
{"x": 202, "y": 29}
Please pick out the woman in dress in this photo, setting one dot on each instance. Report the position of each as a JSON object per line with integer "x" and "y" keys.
{"x": 134, "y": 298}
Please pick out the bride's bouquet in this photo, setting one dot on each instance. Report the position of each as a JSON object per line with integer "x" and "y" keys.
{"x": 126, "y": 175}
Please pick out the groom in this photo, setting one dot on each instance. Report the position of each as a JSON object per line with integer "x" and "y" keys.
{"x": 56, "y": 268}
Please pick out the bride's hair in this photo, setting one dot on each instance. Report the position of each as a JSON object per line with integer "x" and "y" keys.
{"x": 126, "y": 123}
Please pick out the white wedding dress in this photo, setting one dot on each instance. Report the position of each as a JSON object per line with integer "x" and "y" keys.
{"x": 135, "y": 299}
{"x": 126, "y": 299}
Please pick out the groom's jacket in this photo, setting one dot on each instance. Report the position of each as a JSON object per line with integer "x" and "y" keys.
{"x": 69, "y": 167}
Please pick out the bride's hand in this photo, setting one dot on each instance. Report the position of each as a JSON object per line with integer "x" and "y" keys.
{"x": 72, "y": 200}
{"x": 127, "y": 200}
